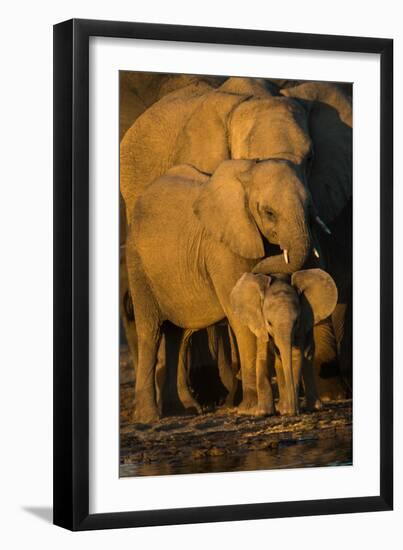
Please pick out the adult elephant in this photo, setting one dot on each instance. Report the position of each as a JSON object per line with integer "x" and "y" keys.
{"x": 185, "y": 273}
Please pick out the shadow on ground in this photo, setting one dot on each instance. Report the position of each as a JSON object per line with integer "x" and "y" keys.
{"x": 45, "y": 513}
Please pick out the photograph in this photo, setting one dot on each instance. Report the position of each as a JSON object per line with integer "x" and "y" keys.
{"x": 235, "y": 273}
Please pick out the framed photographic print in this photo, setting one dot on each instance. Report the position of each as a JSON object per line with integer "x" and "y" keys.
{"x": 223, "y": 318}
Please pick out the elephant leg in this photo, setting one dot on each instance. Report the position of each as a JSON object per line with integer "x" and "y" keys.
{"x": 246, "y": 341}
{"x": 234, "y": 353}
{"x": 160, "y": 373}
{"x": 297, "y": 368}
{"x": 312, "y": 400}
{"x": 148, "y": 325}
{"x": 265, "y": 405}
{"x": 131, "y": 338}
{"x": 185, "y": 396}
{"x": 228, "y": 365}
{"x": 282, "y": 390}
{"x": 127, "y": 314}
{"x": 282, "y": 405}
{"x": 342, "y": 323}
{"x": 146, "y": 409}
{"x": 325, "y": 363}
{"x": 129, "y": 328}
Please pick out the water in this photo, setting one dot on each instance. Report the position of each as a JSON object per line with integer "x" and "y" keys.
{"x": 335, "y": 451}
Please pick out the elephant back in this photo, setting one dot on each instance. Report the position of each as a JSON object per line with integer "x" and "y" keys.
{"x": 147, "y": 149}
{"x": 139, "y": 90}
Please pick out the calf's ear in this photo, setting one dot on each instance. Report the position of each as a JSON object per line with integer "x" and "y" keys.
{"x": 247, "y": 302}
{"x": 318, "y": 294}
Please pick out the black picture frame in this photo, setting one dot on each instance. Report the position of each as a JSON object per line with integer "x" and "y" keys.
{"x": 71, "y": 274}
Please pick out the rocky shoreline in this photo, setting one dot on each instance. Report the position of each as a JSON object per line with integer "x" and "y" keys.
{"x": 225, "y": 441}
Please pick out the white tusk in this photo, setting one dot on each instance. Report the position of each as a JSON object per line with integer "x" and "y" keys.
{"x": 323, "y": 225}
{"x": 316, "y": 252}
{"x": 285, "y": 252}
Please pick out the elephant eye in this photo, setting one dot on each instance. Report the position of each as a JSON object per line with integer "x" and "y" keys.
{"x": 270, "y": 213}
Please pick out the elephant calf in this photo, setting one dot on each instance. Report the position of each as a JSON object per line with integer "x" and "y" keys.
{"x": 285, "y": 313}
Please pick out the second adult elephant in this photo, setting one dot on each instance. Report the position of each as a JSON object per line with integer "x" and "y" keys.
{"x": 185, "y": 273}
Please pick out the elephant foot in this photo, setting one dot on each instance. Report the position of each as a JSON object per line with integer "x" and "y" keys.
{"x": 189, "y": 403}
{"x": 332, "y": 396}
{"x": 312, "y": 405}
{"x": 285, "y": 410}
{"x": 247, "y": 406}
{"x": 225, "y": 407}
{"x": 331, "y": 389}
{"x": 193, "y": 408}
{"x": 249, "y": 400}
{"x": 145, "y": 415}
{"x": 229, "y": 402}
{"x": 228, "y": 405}
{"x": 244, "y": 411}
{"x": 263, "y": 410}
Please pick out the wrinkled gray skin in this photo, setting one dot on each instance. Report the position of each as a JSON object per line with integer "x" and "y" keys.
{"x": 182, "y": 268}
{"x": 284, "y": 311}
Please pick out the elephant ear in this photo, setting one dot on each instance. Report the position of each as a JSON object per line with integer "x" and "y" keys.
{"x": 318, "y": 294}
{"x": 247, "y": 302}
{"x": 203, "y": 141}
{"x": 330, "y": 125}
{"x": 222, "y": 209}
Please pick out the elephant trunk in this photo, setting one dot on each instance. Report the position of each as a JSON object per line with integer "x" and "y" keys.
{"x": 290, "y": 400}
{"x": 296, "y": 250}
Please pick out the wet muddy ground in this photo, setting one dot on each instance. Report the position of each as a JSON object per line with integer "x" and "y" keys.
{"x": 225, "y": 441}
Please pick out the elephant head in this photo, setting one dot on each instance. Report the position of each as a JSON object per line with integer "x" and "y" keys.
{"x": 309, "y": 124}
{"x": 245, "y": 118}
{"x": 286, "y": 312}
{"x": 242, "y": 119}
{"x": 246, "y": 202}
